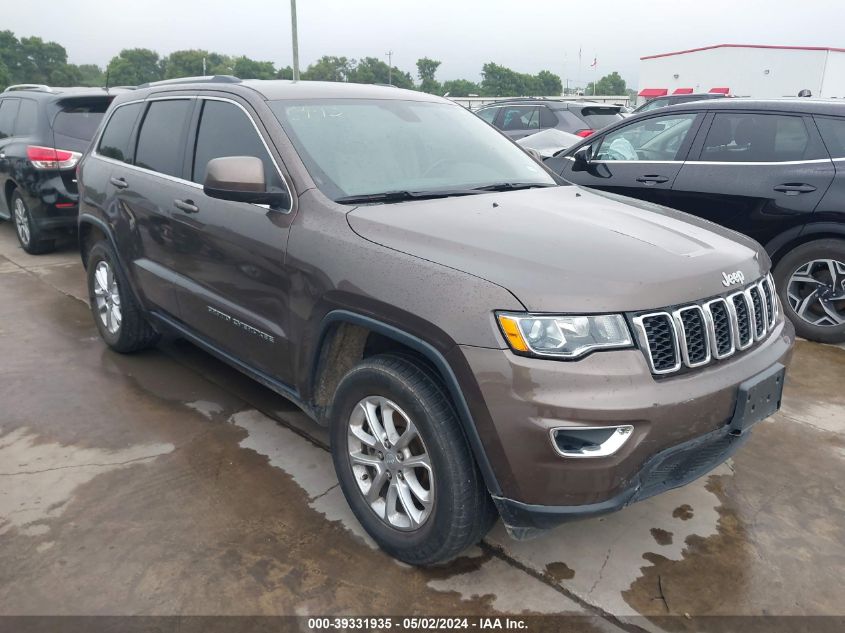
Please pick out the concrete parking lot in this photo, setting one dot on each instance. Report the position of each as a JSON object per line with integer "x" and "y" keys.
{"x": 166, "y": 483}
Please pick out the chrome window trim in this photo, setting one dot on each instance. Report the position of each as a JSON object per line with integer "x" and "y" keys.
{"x": 609, "y": 447}
{"x": 759, "y": 163}
{"x": 682, "y": 335}
{"x": 735, "y": 319}
{"x": 733, "y": 328}
{"x": 641, "y": 334}
{"x": 95, "y": 152}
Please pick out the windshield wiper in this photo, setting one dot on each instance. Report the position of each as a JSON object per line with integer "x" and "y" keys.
{"x": 513, "y": 186}
{"x": 400, "y": 196}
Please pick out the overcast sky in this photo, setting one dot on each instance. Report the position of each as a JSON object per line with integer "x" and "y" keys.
{"x": 463, "y": 34}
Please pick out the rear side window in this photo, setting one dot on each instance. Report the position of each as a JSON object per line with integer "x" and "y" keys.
{"x": 116, "y": 140}
{"x": 747, "y": 137}
{"x": 8, "y": 114}
{"x": 547, "y": 117}
{"x": 79, "y": 119}
{"x": 488, "y": 114}
{"x": 225, "y": 130}
{"x": 599, "y": 116}
{"x": 161, "y": 140}
{"x": 833, "y": 133}
{"x": 27, "y": 118}
{"x": 520, "y": 118}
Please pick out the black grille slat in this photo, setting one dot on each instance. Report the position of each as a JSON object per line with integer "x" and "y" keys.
{"x": 695, "y": 335}
{"x": 661, "y": 341}
{"x": 722, "y": 327}
{"x": 743, "y": 318}
{"x": 759, "y": 313}
{"x": 767, "y": 296}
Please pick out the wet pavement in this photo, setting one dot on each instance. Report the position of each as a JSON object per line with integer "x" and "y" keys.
{"x": 167, "y": 483}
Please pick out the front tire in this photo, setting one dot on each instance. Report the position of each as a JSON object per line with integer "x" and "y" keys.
{"x": 403, "y": 462}
{"x": 119, "y": 318}
{"x": 811, "y": 284}
{"x": 28, "y": 234}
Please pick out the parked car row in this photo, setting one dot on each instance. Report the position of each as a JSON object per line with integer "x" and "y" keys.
{"x": 482, "y": 339}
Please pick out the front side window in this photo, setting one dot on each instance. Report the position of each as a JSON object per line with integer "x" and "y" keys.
{"x": 746, "y": 137}
{"x": 833, "y": 134}
{"x": 658, "y": 138}
{"x": 8, "y": 114}
{"x": 117, "y": 137}
{"x": 161, "y": 139}
{"x": 488, "y": 114}
{"x": 225, "y": 130}
{"x": 359, "y": 147}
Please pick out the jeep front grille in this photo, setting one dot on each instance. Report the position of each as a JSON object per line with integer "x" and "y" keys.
{"x": 694, "y": 335}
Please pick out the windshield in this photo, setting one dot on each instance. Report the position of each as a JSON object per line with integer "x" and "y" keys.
{"x": 354, "y": 147}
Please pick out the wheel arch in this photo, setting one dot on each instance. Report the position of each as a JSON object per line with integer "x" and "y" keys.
{"x": 779, "y": 246}
{"x": 346, "y": 337}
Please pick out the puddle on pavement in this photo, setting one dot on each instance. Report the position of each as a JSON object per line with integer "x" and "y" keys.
{"x": 472, "y": 576}
{"x": 38, "y": 478}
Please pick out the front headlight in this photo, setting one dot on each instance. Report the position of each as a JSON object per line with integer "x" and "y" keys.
{"x": 558, "y": 336}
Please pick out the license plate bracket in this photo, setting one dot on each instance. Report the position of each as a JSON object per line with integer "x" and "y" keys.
{"x": 758, "y": 398}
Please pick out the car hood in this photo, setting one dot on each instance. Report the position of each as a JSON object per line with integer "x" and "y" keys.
{"x": 568, "y": 249}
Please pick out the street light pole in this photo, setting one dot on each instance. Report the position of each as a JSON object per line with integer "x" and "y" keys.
{"x": 389, "y": 67}
{"x": 295, "y": 39}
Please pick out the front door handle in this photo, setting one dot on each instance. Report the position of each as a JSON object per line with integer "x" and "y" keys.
{"x": 651, "y": 180}
{"x": 187, "y": 206}
{"x": 120, "y": 183}
{"x": 794, "y": 188}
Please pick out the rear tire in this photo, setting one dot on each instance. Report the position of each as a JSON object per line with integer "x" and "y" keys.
{"x": 424, "y": 456}
{"x": 28, "y": 234}
{"x": 119, "y": 318}
{"x": 811, "y": 284}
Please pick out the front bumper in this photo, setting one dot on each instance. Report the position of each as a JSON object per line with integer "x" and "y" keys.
{"x": 679, "y": 425}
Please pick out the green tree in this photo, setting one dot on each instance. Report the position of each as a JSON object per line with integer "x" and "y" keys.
{"x": 285, "y": 73}
{"x": 500, "y": 81}
{"x": 549, "y": 84}
{"x": 426, "y": 69}
{"x": 5, "y": 76}
{"x": 135, "y": 66}
{"x": 91, "y": 75}
{"x": 461, "y": 88}
{"x": 329, "y": 68}
{"x": 611, "y": 84}
{"x": 372, "y": 70}
{"x": 189, "y": 63}
{"x": 41, "y": 62}
{"x": 10, "y": 54}
{"x": 247, "y": 68}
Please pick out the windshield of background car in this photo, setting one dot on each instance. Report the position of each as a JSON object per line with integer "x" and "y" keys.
{"x": 362, "y": 146}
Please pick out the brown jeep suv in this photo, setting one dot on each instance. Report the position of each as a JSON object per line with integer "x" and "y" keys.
{"x": 482, "y": 340}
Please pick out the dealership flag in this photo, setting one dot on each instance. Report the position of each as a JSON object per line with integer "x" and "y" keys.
{"x": 595, "y": 62}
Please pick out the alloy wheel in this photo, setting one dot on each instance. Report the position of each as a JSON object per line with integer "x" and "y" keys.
{"x": 390, "y": 463}
{"x": 816, "y": 292}
{"x": 22, "y": 221}
{"x": 107, "y": 297}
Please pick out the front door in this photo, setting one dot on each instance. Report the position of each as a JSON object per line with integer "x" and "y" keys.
{"x": 756, "y": 173}
{"x": 640, "y": 159}
{"x": 232, "y": 253}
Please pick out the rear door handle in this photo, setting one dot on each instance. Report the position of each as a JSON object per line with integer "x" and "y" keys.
{"x": 794, "y": 188}
{"x": 120, "y": 183}
{"x": 650, "y": 180}
{"x": 187, "y": 206}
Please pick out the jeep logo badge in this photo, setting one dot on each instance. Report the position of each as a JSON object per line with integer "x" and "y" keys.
{"x": 729, "y": 279}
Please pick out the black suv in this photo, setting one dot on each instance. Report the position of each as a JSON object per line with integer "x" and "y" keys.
{"x": 774, "y": 170}
{"x": 43, "y": 133}
{"x": 521, "y": 117}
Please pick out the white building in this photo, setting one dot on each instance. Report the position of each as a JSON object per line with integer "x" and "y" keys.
{"x": 745, "y": 70}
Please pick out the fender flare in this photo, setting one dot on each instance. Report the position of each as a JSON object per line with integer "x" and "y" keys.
{"x": 805, "y": 233}
{"x": 439, "y": 361}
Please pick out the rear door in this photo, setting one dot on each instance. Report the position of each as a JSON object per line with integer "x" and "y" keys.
{"x": 232, "y": 253}
{"x": 757, "y": 173}
{"x": 640, "y": 159}
{"x": 831, "y": 209}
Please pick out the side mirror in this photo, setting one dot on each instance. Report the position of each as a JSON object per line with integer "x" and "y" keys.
{"x": 241, "y": 179}
{"x": 582, "y": 158}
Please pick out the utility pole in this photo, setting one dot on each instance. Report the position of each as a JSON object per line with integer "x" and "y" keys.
{"x": 203, "y": 67}
{"x": 389, "y": 67}
{"x": 295, "y": 40}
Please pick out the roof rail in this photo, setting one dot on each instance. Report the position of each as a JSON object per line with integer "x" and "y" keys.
{"x": 207, "y": 79}
{"x": 36, "y": 87}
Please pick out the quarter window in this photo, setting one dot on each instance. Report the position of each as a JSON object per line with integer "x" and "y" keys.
{"x": 8, "y": 114}
{"x": 116, "y": 140}
{"x": 225, "y": 130}
{"x": 746, "y": 137}
{"x": 161, "y": 140}
{"x": 658, "y": 138}
{"x": 27, "y": 118}
{"x": 833, "y": 134}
